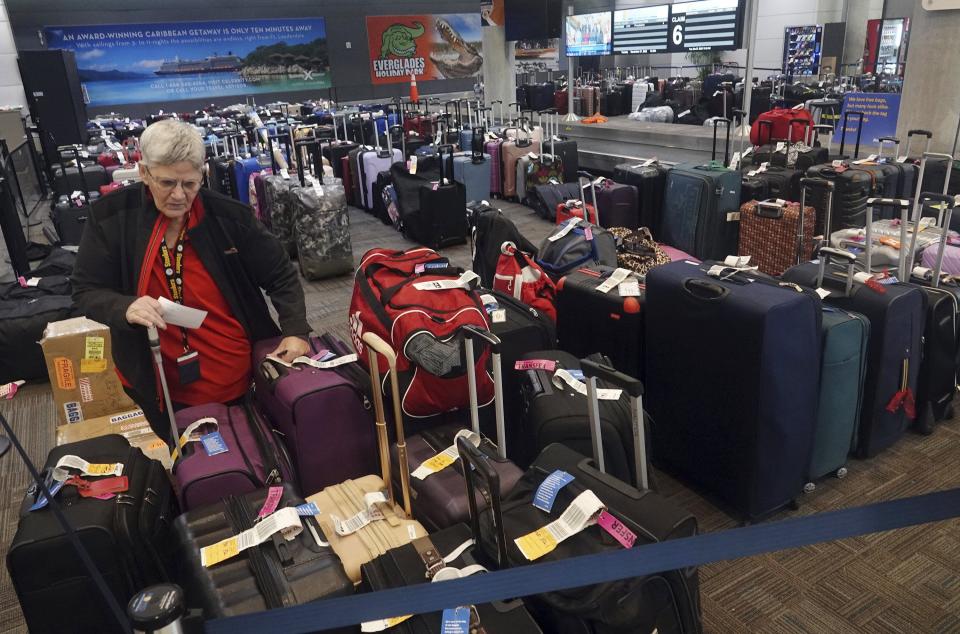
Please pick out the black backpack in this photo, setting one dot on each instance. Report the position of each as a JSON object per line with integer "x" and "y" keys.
{"x": 490, "y": 229}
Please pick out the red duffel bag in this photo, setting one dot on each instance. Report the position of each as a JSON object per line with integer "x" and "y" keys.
{"x": 418, "y": 302}
{"x": 774, "y": 125}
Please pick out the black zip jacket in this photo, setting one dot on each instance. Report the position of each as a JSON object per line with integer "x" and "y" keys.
{"x": 240, "y": 254}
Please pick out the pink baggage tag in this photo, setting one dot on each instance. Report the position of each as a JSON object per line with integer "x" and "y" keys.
{"x": 536, "y": 364}
{"x": 617, "y": 530}
{"x": 270, "y": 504}
{"x": 22, "y": 281}
{"x": 588, "y": 233}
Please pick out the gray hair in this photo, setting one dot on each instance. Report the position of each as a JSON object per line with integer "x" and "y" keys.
{"x": 170, "y": 141}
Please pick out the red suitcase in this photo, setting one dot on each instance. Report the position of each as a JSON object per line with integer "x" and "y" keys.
{"x": 560, "y": 101}
{"x": 570, "y": 209}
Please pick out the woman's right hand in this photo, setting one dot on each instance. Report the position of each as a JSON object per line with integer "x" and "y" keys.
{"x": 146, "y": 311}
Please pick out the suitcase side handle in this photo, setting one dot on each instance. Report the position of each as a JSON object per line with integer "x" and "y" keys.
{"x": 377, "y": 346}
{"x": 479, "y": 474}
{"x": 770, "y": 209}
{"x": 704, "y": 290}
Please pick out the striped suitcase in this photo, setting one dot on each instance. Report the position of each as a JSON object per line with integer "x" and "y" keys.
{"x": 496, "y": 174}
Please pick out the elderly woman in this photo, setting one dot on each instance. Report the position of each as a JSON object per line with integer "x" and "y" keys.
{"x": 170, "y": 237}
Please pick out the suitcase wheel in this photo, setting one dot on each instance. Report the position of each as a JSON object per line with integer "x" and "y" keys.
{"x": 809, "y": 487}
{"x": 841, "y": 473}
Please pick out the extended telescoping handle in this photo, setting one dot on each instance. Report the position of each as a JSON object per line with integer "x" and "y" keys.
{"x": 806, "y": 123}
{"x": 581, "y": 176}
{"x": 828, "y": 129}
{"x": 480, "y": 474}
{"x": 904, "y": 205}
{"x": 828, "y": 214}
{"x": 634, "y": 389}
{"x": 946, "y": 206}
{"x": 377, "y": 346}
{"x": 843, "y": 132}
{"x": 472, "y": 333}
{"x": 888, "y": 140}
{"x": 726, "y": 149}
{"x": 918, "y": 132}
{"x": 828, "y": 254}
{"x": 403, "y": 137}
{"x": 742, "y": 114}
{"x": 153, "y": 338}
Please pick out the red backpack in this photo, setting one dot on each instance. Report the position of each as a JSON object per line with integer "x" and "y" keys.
{"x": 519, "y": 276}
{"x": 417, "y": 301}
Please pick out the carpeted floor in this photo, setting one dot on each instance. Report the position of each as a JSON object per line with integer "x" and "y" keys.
{"x": 904, "y": 581}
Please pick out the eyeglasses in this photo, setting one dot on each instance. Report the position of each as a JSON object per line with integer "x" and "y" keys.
{"x": 169, "y": 184}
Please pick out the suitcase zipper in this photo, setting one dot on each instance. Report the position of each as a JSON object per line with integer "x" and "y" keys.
{"x": 267, "y": 450}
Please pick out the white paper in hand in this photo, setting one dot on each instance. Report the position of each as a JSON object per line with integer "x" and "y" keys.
{"x": 183, "y": 316}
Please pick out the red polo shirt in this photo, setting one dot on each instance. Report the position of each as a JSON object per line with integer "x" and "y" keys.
{"x": 225, "y": 364}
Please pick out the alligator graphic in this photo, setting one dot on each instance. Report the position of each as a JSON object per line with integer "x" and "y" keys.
{"x": 400, "y": 40}
{"x": 462, "y": 60}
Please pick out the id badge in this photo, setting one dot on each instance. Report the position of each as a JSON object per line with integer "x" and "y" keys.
{"x": 188, "y": 367}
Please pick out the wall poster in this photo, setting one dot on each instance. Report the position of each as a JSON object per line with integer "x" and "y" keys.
{"x": 143, "y": 63}
{"x": 447, "y": 46}
{"x": 537, "y": 55}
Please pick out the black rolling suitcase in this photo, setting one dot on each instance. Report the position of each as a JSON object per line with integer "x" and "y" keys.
{"x": 589, "y": 320}
{"x": 69, "y": 216}
{"x": 82, "y": 177}
{"x": 777, "y": 182}
{"x": 897, "y": 314}
{"x": 749, "y": 441}
{"x": 337, "y": 149}
{"x": 851, "y": 190}
{"x": 442, "y": 218}
{"x": 425, "y": 559}
{"x": 650, "y": 179}
{"x": 127, "y": 536}
{"x": 664, "y": 602}
{"x": 277, "y": 573}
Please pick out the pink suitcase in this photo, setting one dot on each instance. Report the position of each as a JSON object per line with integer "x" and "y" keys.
{"x": 951, "y": 259}
{"x": 496, "y": 178}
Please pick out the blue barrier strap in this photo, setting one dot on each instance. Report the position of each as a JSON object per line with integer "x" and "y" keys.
{"x": 599, "y": 568}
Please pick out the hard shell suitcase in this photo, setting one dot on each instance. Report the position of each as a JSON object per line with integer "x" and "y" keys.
{"x": 699, "y": 210}
{"x": 473, "y": 170}
{"x": 243, "y": 169}
{"x": 370, "y": 520}
{"x": 277, "y": 573}
{"x": 778, "y": 182}
{"x": 291, "y": 395}
{"x": 127, "y": 537}
{"x": 371, "y": 165}
{"x": 665, "y": 602}
{"x": 254, "y": 457}
{"x": 496, "y": 173}
{"x": 545, "y": 199}
{"x": 511, "y": 151}
{"x": 746, "y": 442}
{"x": 590, "y": 321}
{"x": 650, "y": 181}
{"x": 438, "y": 495}
{"x": 776, "y": 235}
{"x": 897, "y": 316}
{"x": 407, "y": 566}
{"x": 851, "y": 190}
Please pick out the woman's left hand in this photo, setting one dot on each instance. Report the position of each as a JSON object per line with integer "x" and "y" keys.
{"x": 291, "y": 348}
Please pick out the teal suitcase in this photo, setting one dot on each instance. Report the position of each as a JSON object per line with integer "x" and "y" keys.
{"x": 845, "y": 337}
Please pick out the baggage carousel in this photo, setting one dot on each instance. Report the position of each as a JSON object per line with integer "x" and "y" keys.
{"x": 603, "y": 145}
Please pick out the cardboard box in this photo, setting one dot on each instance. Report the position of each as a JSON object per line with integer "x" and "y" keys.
{"x": 132, "y": 425}
{"x": 82, "y": 376}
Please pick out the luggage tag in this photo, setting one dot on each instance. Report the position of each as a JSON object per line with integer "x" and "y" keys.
{"x": 103, "y": 489}
{"x": 214, "y": 444}
{"x": 581, "y": 513}
{"x": 562, "y": 376}
{"x": 567, "y": 228}
{"x": 285, "y": 521}
{"x": 75, "y": 462}
{"x": 41, "y": 501}
{"x": 9, "y": 390}
{"x": 271, "y": 502}
{"x": 383, "y": 624}
{"x": 307, "y": 510}
{"x": 629, "y": 289}
{"x": 188, "y": 367}
{"x": 547, "y": 492}
{"x": 369, "y": 514}
{"x": 462, "y": 282}
{"x": 536, "y": 364}
{"x": 616, "y": 529}
{"x": 618, "y": 276}
{"x": 445, "y": 458}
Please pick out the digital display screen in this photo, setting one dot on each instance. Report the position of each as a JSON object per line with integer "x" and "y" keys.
{"x": 643, "y": 30}
{"x": 589, "y": 34}
{"x": 705, "y": 25}
{"x": 801, "y": 50}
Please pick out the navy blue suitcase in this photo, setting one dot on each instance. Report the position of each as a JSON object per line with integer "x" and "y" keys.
{"x": 699, "y": 214}
{"x": 733, "y": 371}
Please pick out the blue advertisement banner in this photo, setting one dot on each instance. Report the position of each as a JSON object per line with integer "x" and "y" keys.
{"x": 144, "y": 63}
{"x": 880, "y": 112}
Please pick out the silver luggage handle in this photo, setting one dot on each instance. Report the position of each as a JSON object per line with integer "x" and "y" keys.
{"x": 483, "y": 336}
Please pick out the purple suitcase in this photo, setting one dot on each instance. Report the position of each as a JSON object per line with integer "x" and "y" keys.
{"x": 440, "y": 499}
{"x": 618, "y": 205}
{"x": 252, "y": 460}
{"x": 496, "y": 180}
{"x": 951, "y": 259}
{"x": 324, "y": 416}
{"x": 372, "y": 163}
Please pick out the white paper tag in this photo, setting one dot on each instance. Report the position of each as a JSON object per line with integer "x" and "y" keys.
{"x": 444, "y": 285}
{"x": 603, "y": 394}
{"x": 285, "y": 521}
{"x": 285, "y": 173}
{"x": 780, "y": 146}
{"x": 614, "y": 280}
{"x": 76, "y": 462}
{"x": 822, "y": 292}
{"x": 838, "y": 163}
{"x": 737, "y": 261}
{"x": 902, "y": 159}
{"x": 321, "y": 365}
{"x": 683, "y": 114}
{"x": 445, "y": 458}
{"x": 498, "y": 316}
{"x": 872, "y": 157}
{"x": 862, "y": 277}
{"x": 922, "y": 272}
{"x": 358, "y": 521}
{"x": 567, "y": 228}
{"x": 733, "y": 216}
{"x": 735, "y": 161}
{"x": 581, "y": 513}
{"x": 629, "y": 289}
{"x": 33, "y": 281}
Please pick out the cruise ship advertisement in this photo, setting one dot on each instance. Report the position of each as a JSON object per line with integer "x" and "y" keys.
{"x": 143, "y": 63}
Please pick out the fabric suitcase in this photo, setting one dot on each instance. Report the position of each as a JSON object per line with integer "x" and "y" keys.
{"x": 290, "y": 397}
{"x": 334, "y": 152}
{"x": 221, "y": 176}
{"x": 844, "y": 358}
{"x": 520, "y": 178}
{"x": 546, "y": 198}
{"x": 618, "y": 205}
{"x": 438, "y": 496}
{"x": 747, "y": 442}
{"x": 349, "y": 503}
{"x": 779, "y": 182}
{"x": 22, "y": 322}
{"x": 474, "y": 174}
{"x": 665, "y": 602}
{"x": 753, "y": 188}
{"x": 567, "y": 248}
{"x": 277, "y": 573}
{"x": 322, "y": 231}
{"x": 566, "y": 151}
{"x": 561, "y": 102}
{"x": 69, "y": 221}
{"x": 278, "y": 195}
{"x": 254, "y": 457}
{"x": 897, "y": 319}
{"x": 771, "y": 232}
{"x": 127, "y": 536}
{"x": 443, "y": 212}
{"x": 650, "y": 181}
{"x": 698, "y": 216}
{"x": 406, "y": 566}
{"x": 590, "y": 321}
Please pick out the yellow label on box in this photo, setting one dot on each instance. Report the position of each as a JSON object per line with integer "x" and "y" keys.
{"x": 221, "y": 551}
{"x": 536, "y": 544}
{"x": 93, "y": 348}
{"x": 92, "y": 366}
{"x": 66, "y": 378}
